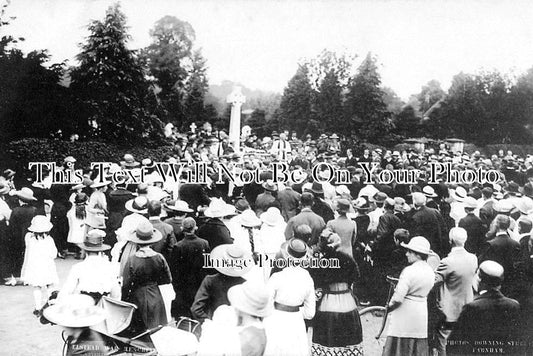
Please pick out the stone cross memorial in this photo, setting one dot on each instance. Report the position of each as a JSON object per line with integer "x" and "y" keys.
{"x": 236, "y": 99}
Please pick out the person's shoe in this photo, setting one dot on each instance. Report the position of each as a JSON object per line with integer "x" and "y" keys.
{"x": 364, "y": 303}
{"x": 11, "y": 281}
{"x": 60, "y": 255}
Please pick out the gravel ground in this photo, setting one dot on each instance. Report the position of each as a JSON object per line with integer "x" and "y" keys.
{"x": 21, "y": 333}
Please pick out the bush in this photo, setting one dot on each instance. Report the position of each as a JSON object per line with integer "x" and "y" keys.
{"x": 19, "y": 153}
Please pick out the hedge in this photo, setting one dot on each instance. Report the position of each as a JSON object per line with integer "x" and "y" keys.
{"x": 19, "y": 153}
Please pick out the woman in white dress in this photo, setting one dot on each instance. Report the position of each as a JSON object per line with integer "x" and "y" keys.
{"x": 76, "y": 222}
{"x": 408, "y": 327}
{"x": 294, "y": 300}
{"x": 39, "y": 269}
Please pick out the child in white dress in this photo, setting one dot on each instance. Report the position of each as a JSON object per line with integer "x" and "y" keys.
{"x": 39, "y": 269}
{"x": 77, "y": 216}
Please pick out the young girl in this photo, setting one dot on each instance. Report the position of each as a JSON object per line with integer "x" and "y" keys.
{"x": 39, "y": 269}
{"x": 76, "y": 222}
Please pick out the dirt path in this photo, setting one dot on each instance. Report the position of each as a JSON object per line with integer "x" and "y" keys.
{"x": 21, "y": 333}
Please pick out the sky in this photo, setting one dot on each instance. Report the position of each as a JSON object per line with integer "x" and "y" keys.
{"x": 259, "y": 43}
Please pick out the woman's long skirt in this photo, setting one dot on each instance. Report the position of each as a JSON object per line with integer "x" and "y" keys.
{"x": 337, "y": 326}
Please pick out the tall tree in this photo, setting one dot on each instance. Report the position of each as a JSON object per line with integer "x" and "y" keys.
{"x": 195, "y": 89}
{"x": 172, "y": 62}
{"x": 111, "y": 83}
{"x": 429, "y": 95}
{"x": 406, "y": 123}
{"x": 365, "y": 110}
{"x": 328, "y": 104}
{"x": 295, "y": 105}
{"x": 33, "y": 103}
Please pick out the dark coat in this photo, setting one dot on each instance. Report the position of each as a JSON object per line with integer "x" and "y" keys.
{"x": 429, "y": 223}
{"x": 290, "y": 201}
{"x": 116, "y": 200}
{"x": 384, "y": 244}
{"x": 322, "y": 209}
{"x": 19, "y": 222}
{"x": 213, "y": 292}
{"x": 142, "y": 275}
{"x": 186, "y": 266}
{"x": 476, "y": 233}
{"x": 263, "y": 202}
{"x": 194, "y": 194}
{"x": 506, "y": 251}
{"x": 490, "y": 316}
{"x": 167, "y": 243}
{"x": 487, "y": 213}
{"x": 215, "y": 233}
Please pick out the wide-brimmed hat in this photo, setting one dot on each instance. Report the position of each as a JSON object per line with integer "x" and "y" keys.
{"x": 9, "y": 173}
{"x": 129, "y": 161}
{"x": 100, "y": 183}
{"x": 317, "y": 188}
{"x": 40, "y": 223}
{"x": 25, "y": 194}
{"x": 295, "y": 248}
{"x": 342, "y": 190}
{"x": 503, "y": 206}
{"x": 94, "y": 241}
{"x": 270, "y": 186}
{"x": 334, "y": 136}
{"x": 145, "y": 234}
{"x": 75, "y": 311}
{"x": 251, "y": 297}
{"x": 379, "y": 197}
{"x": 361, "y": 204}
{"x": 218, "y": 208}
{"x": 137, "y": 205}
{"x": 418, "y": 244}
{"x": 400, "y": 205}
{"x": 69, "y": 159}
{"x": 343, "y": 205}
{"x": 242, "y": 205}
{"x": 459, "y": 194}
{"x": 4, "y": 188}
{"x": 470, "y": 203}
{"x": 249, "y": 219}
{"x": 525, "y": 205}
{"x": 178, "y": 205}
{"x": 272, "y": 217}
{"x": 231, "y": 260}
{"x": 429, "y": 192}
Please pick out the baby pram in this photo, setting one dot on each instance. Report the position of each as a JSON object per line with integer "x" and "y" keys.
{"x": 162, "y": 340}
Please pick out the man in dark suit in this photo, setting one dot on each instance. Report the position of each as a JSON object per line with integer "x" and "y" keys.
{"x": 525, "y": 275}
{"x": 504, "y": 250}
{"x": 429, "y": 223}
{"x": 489, "y": 317}
{"x": 194, "y": 194}
{"x": 289, "y": 200}
{"x": 267, "y": 198}
{"x": 306, "y": 217}
{"x": 214, "y": 230}
{"x": 487, "y": 212}
{"x": 116, "y": 200}
{"x": 186, "y": 265}
{"x": 474, "y": 227}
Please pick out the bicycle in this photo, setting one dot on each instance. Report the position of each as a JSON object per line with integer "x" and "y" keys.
{"x": 374, "y": 320}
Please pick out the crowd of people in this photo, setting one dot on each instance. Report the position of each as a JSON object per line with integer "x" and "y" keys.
{"x": 461, "y": 253}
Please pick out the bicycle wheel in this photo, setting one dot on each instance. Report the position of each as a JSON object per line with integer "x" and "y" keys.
{"x": 371, "y": 321}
